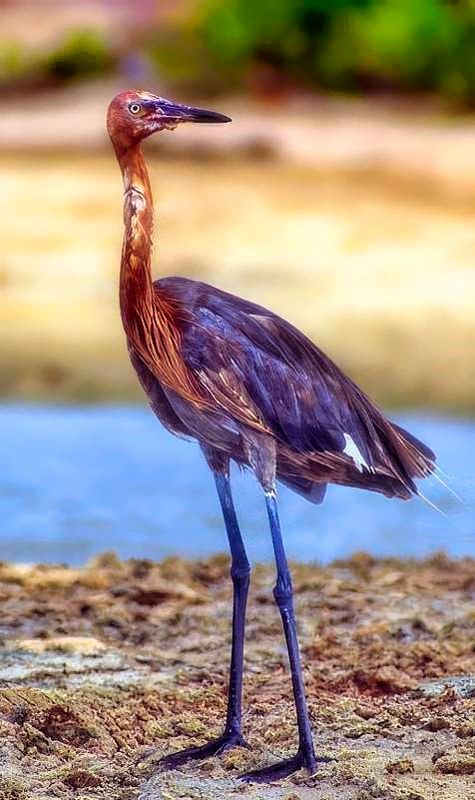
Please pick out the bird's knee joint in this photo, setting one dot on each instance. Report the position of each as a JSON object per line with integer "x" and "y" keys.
{"x": 283, "y": 592}
{"x": 240, "y": 575}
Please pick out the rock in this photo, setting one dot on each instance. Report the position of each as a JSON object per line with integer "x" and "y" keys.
{"x": 86, "y": 645}
{"x": 12, "y": 788}
{"x": 463, "y": 685}
{"x": 456, "y": 764}
{"x": 400, "y": 766}
{"x": 436, "y": 724}
{"x": 81, "y": 779}
{"x": 385, "y": 680}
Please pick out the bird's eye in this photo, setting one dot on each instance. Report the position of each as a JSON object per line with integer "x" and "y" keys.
{"x": 135, "y": 108}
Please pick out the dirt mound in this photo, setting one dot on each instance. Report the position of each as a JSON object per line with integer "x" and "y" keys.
{"x": 106, "y": 668}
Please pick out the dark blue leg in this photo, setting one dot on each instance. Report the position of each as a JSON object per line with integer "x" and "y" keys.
{"x": 240, "y": 571}
{"x": 283, "y": 593}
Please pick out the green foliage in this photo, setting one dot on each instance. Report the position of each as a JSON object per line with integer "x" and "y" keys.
{"x": 84, "y": 53}
{"x": 283, "y": 33}
{"x": 13, "y": 60}
{"x": 408, "y": 45}
{"x": 346, "y": 45}
{"x": 404, "y": 40}
{"x": 224, "y": 39}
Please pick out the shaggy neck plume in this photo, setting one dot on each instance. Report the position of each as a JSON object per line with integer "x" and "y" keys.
{"x": 151, "y": 320}
{"x": 136, "y": 285}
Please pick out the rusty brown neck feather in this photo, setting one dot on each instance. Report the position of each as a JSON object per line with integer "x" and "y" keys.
{"x": 136, "y": 286}
{"x": 152, "y": 321}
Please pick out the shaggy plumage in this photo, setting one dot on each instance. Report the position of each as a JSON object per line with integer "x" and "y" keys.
{"x": 248, "y": 386}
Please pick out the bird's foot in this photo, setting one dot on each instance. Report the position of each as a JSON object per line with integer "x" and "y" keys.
{"x": 216, "y": 747}
{"x": 283, "y": 769}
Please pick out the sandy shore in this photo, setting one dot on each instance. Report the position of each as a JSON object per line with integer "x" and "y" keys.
{"x": 410, "y": 139}
{"x": 378, "y": 273}
{"x": 353, "y": 219}
{"x": 101, "y": 664}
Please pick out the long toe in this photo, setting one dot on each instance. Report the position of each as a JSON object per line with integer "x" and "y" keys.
{"x": 282, "y": 769}
{"x": 274, "y": 772}
{"x": 213, "y": 748}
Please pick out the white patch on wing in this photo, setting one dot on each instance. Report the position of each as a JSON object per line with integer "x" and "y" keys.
{"x": 352, "y": 451}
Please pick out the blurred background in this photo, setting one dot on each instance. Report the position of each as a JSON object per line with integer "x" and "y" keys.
{"x": 342, "y": 196}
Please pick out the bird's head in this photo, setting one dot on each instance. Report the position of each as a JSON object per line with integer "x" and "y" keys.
{"x": 132, "y": 116}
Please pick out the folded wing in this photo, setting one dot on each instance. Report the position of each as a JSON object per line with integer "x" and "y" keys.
{"x": 268, "y": 375}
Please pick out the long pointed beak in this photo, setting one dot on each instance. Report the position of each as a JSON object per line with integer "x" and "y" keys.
{"x": 179, "y": 113}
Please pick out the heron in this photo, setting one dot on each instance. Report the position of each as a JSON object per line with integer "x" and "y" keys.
{"x": 252, "y": 389}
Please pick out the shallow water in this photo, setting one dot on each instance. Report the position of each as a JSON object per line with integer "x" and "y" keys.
{"x": 78, "y": 481}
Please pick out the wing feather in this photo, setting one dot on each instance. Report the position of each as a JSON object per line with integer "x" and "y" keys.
{"x": 265, "y": 373}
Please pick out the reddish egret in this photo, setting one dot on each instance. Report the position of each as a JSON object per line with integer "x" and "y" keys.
{"x": 247, "y": 386}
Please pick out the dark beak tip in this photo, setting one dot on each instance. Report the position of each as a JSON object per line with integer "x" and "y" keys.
{"x": 178, "y": 113}
{"x": 213, "y": 117}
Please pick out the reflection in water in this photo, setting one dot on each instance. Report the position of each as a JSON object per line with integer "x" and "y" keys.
{"x": 78, "y": 481}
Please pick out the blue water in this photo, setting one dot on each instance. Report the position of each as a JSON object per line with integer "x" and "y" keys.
{"x": 78, "y": 481}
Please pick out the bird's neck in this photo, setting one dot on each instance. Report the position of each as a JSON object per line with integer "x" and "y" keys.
{"x": 151, "y": 319}
{"x": 136, "y": 285}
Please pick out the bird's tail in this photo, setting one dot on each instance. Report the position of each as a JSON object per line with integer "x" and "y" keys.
{"x": 409, "y": 458}
{"x": 417, "y": 460}
{"x": 425, "y": 456}
{"x": 405, "y": 459}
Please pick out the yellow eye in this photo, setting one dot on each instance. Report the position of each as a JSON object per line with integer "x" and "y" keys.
{"x": 135, "y": 108}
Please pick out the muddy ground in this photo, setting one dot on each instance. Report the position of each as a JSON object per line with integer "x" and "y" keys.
{"x": 98, "y": 665}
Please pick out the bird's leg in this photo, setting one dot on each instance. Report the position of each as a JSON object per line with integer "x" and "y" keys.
{"x": 283, "y": 593}
{"x": 240, "y": 571}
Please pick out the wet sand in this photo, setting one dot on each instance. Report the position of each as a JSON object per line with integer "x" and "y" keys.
{"x": 100, "y": 665}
